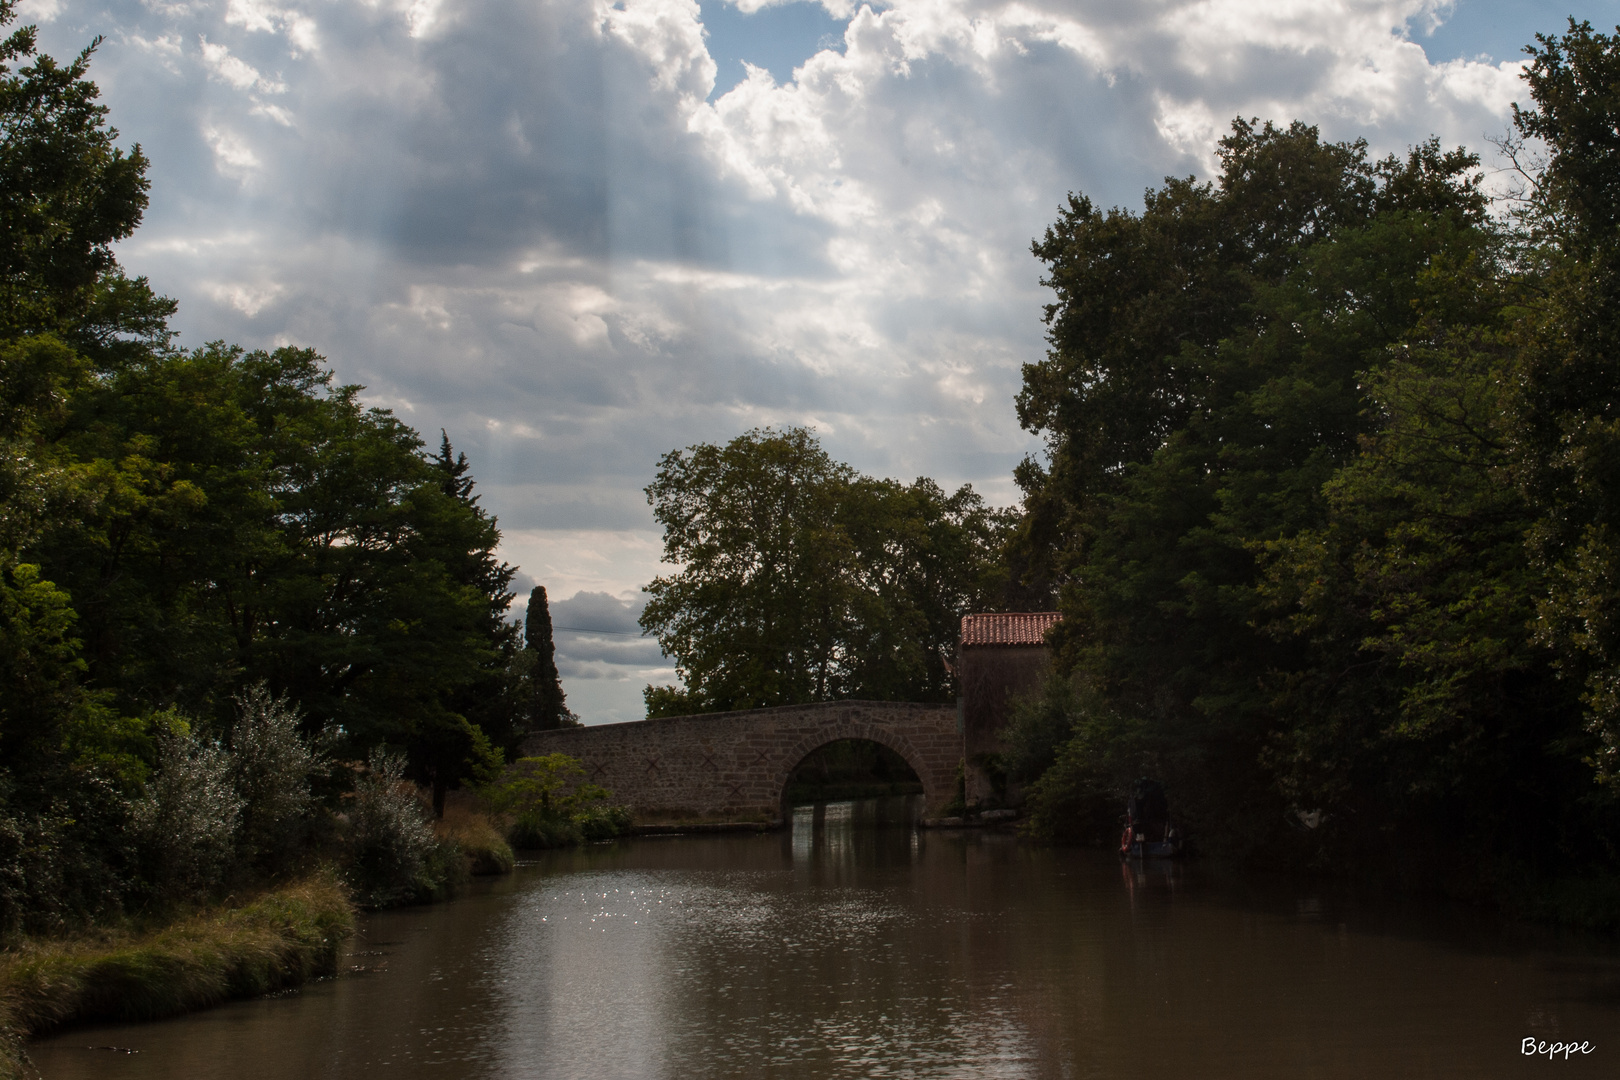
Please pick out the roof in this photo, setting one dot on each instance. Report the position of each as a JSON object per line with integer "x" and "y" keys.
{"x": 1010, "y": 628}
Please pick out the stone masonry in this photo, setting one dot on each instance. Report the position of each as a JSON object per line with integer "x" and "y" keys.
{"x": 736, "y": 765}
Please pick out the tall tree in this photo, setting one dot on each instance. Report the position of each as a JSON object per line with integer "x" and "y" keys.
{"x": 1212, "y": 369}
{"x": 1569, "y": 411}
{"x": 547, "y": 705}
{"x": 67, "y": 193}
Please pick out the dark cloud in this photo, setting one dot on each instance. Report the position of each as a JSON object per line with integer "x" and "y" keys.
{"x": 587, "y": 611}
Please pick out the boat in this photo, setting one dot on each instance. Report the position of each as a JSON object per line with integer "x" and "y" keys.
{"x": 1149, "y": 831}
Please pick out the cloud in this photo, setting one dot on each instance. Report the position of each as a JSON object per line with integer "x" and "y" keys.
{"x": 233, "y": 157}
{"x": 538, "y": 226}
{"x": 227, "y": 68}
{"x": 598, "y": 637}
{"x": 587, "y": 611}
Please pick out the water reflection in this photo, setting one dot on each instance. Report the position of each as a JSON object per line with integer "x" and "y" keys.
{"x": 854, "y": 945}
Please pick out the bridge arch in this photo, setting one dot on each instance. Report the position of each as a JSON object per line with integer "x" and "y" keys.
{"x": 839, "y": 732}
{"x": 735, "y": 766}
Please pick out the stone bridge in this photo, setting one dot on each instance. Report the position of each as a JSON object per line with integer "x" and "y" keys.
{"x": 735, "y": 765}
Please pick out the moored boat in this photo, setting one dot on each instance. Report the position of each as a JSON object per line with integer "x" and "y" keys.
{"x": 1149, "y": 831}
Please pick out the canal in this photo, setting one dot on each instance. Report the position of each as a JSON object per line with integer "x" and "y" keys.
{"x": 852, "y": 946}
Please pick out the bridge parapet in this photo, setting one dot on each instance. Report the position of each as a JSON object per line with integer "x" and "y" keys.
{"x": 736, "y": 765}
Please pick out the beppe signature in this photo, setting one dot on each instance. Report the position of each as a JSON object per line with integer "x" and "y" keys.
{"x": 1529, "y": 1047}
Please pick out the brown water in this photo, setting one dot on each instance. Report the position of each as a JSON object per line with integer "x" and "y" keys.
{"x": 841, "y": 951}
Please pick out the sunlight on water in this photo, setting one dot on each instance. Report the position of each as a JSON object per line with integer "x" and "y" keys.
{"x": 854, "y": 945}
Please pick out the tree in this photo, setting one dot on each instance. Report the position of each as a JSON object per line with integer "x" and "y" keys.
{"x": 1569, "y": 407}
{"x": 1214, "y": 367}
{"x": 802, "y": 580}
{"x": 70, "y": 191}
{"x": 547, "y": 706}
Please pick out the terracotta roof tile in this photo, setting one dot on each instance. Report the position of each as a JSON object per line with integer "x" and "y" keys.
{"x": 1021, "y": 628}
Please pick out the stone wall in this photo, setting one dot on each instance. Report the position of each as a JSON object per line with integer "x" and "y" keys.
{"x": 737, "y": 764}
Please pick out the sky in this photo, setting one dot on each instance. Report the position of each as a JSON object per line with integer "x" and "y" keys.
{"x": 578, "y": 234}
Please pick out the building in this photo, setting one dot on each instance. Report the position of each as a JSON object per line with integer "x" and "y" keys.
{"x": 998, "y": 657}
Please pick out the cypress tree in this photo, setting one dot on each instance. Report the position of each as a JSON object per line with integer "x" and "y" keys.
{"x": 546, "y": 702}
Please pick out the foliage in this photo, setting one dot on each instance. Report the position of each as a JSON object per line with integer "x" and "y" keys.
{"x": 394, "y": 856}
{"x": 1326, "y": 493}
{"x": 64, "y": 858}
{"x": 551, "y": 805}
{"x": 1078, "y": 755}
{"x": 1568, "y": 430}
{"x": 210, "y": 534}
{"x": 187, "y": 821}
{"x": 1038, "y": 724}
{"x": 70, "y": 191}
{"x": 272, "y": 766}
{"x": 802, "y": 580}
{"x": 545, "y": 704}
{"x": 549, "y": 784}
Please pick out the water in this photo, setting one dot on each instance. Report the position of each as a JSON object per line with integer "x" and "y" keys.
{"x": 837, "y": 950}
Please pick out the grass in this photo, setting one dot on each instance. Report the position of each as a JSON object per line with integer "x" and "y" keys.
{"x": 278, "y": 940}
{"x": 486, "y": 849}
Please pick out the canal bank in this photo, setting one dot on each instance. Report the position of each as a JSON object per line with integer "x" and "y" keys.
{"x": 275, "y": 941}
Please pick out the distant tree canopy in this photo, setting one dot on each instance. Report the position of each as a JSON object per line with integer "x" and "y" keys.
{"x": 802, "y": 580}
{"x": 1329, "y": 489}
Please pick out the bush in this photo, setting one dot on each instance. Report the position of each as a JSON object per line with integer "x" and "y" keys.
{"x": 272, "y": 767}
{"x": 1038, "y": 726}
{"x": 479, "y": 842}
{"x": 66, "y": 863}
{"x": 551, "y": 806}
{"x": 188, "y": 819}
{"x": 603, "y": 822}
{"x": 394, "y": 856}
{"x": 535, "y": 830}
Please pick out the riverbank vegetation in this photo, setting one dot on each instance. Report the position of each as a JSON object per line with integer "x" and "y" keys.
{"x": 1331, "y": 497}
{"x": 546, "y": 802}
{"x": 276, "y": 940}
{"x": 249, "y": 627}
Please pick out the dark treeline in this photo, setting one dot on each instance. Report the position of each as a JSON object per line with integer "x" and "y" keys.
{"x": 1332, "y": 493}
{"x": 180, "y": 528}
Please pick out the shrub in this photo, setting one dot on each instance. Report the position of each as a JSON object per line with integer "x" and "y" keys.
{"x": 551, "y": 806}
{"x": 603, "y": 822}
{"x": 188, "y": 819}
{"x": 485, "y": 850}
{"x": 535, "y": 830}
{"x": 272, "y": 767}
{"x": 1038, "y": 726}
{"x": 64, "y": 863}
{"x": 394, "y": 856}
